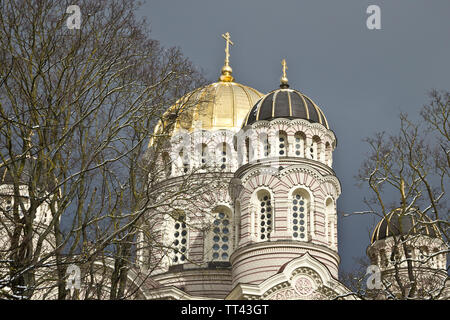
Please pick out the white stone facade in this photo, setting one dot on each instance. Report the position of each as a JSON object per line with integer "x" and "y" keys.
{"x": 287, "y": 160}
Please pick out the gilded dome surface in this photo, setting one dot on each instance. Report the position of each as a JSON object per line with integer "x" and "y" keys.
{"x": 220, "y": 105}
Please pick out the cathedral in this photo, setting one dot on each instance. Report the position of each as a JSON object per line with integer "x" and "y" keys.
{"x": 269, "y": 230}
{"x": 273, "y": 230}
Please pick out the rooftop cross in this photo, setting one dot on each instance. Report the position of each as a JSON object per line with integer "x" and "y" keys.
{"x": 227, "y": 38}
{"x": 284, "y": 79}
{"x": 226, "y": 69}
{"x": 283, "y": 63}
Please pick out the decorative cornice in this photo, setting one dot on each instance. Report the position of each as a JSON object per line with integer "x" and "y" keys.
{"x": 292, "y": 122}
{"x": 269, "y": 247}
{"x": 251, "y": 170}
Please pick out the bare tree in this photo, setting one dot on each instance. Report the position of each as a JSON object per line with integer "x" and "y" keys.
{"x": 77, "y": 108}
{"x": 408, "y": 176}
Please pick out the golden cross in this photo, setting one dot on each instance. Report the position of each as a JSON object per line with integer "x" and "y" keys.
{"x": 227, "y": 38}
{"x": 283, "y": 63}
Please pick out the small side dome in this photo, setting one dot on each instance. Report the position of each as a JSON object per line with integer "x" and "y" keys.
{"x": 395, "y": 224}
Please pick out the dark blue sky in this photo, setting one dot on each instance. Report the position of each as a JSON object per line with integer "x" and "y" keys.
{"x": 360, "y": 78}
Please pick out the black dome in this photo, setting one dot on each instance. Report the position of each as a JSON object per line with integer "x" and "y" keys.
{"x": 285, "y": 103}
{"x": 397, "y": 224}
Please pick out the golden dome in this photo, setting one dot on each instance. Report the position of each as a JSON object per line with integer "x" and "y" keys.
{"x": 220, "y": 105}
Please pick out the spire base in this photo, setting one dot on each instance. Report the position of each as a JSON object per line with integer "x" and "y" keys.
{"x": 284, "y": 83}
{"x": 226, "y": 74}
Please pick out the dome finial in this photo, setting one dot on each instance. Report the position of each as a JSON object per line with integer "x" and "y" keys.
{"x": 284, "y": 80}
{"x": 226, "y": 69}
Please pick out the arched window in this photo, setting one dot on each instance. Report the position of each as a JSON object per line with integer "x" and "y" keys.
{"x": 247, "y": 149}
{"x": 314, "y": 148}
{"x": 423, "y": 253}
{"x": 300, "y": 139}
{"x": 202, "y": 152}
{"x": 299, "y": 214}
{"x": 264, "y": 138}
{"x": 221, "y": 235}
{"x": 180, "y": 239}
{"x": 7, "y": 203}
{"x": 184, "y": 159}
{"x": 409, "y": 252}
{"x": 224, "y": 160}
{"x": 265, "y": 215}
{"x": 283, "y": 143}
{"x": 395, "y": 255}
